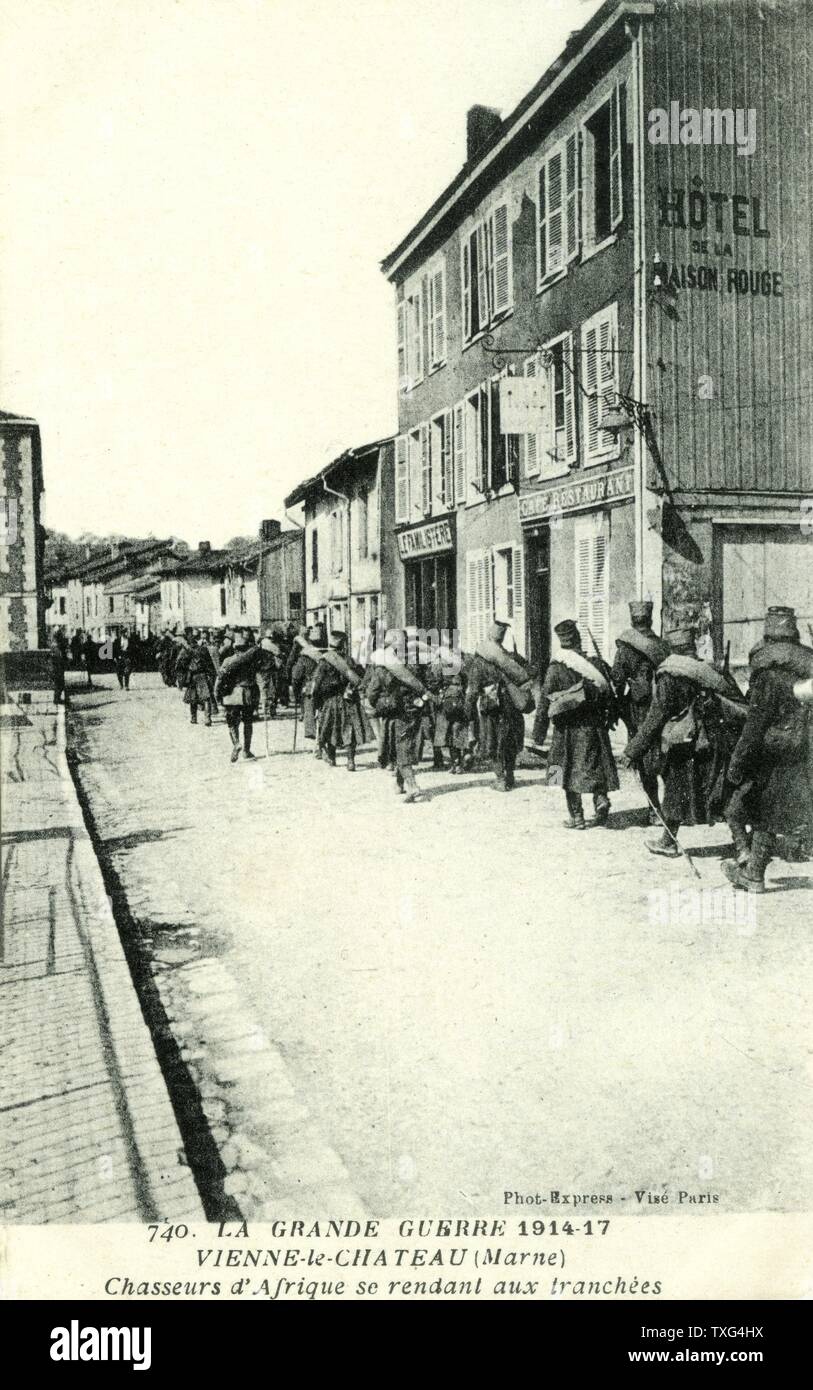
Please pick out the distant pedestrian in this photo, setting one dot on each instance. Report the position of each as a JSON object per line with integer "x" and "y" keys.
{"x": 337, "y": 705}
{"x": 123, "y": 659}
{"x": 498, "y": 694}
{"x": 401, "y": 701}
{"x": 76, "y": 649}
{"x": 90, "y": 654}
{"x": 201, "y": 677}
{"x": 58, "y": 668}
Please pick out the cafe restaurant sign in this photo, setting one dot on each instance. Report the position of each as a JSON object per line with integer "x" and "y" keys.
{"x": 432, "y": 539}
{"x": 577, "y": 494}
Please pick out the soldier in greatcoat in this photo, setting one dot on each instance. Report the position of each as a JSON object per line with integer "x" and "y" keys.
{"x": 445, "y": 676}
{"x": 577, "y": 697}
{"x": 400, "y": 699}
{"x": 775, "y": 750}
{"x": 201, "y": 675}
{"x": 498, "y": 694}
{"x": 638, "y": 652}
{"x": 236, "y": 690}
{"x": 691, "y": 719}
{"x": 337, "y": 703}
{"x": 309, "y": 652}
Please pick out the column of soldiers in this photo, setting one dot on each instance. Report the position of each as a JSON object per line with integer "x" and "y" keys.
{"x": 702, "y": 751}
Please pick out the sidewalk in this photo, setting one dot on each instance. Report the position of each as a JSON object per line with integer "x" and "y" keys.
{"x": 87, "y": 1132}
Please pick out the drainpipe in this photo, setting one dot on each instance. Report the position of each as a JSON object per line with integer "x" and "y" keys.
{"x": 639, "y": 303}
{"x": 344, "y": 498}
{"x": 303, "y": 617}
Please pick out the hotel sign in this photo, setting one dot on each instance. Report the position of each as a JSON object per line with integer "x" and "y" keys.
{"x": 577, "y": 494}
{"x": 432, "y": 539}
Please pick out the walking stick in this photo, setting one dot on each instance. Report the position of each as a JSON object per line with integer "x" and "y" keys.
{"x": 672, "y": 836}
{"x": 296, "y": 717}
{"x": 265, "y": 726}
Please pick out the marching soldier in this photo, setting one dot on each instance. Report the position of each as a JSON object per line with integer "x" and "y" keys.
{"x": 337, "y": 705}
{"x": 201, "y": 677}
{"x": 577, "y": 696}
{"x": 57, "y": 649}
{"x": 498, "y": 693}
{"x": 236, "y": 690}
{"x": 691, "y": 717}
{"x": 775, "y": 750}
{"x": 400, "y": 699}
{"x": 123, "y": 659}
{"x": 638, "y": 652}
{"x": 446, "y": 679}
{"x": 309, "y": 652}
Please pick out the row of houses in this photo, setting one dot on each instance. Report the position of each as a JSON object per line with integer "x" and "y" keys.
{"x": 657, "y": 291}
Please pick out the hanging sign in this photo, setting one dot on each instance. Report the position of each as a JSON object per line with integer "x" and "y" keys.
{"x": 523, "y": 403}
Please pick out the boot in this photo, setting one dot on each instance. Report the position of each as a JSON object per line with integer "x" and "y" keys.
{"x": 601, "y": 813}
{"x": 751, "y": 876}
{"x": 664, "y": 845}
{"x": 742, "y": 848}
{"x": 329, "y": 755}
{"x": 234, "y": 735}
{"x": 411, "y": 786}
{"x": 438, "y": 764}
{"x": 575, "y": 819}
{"x": 351, "y": 760}
{"x": 193, "y": 719}
{"x": 399, "y": 783}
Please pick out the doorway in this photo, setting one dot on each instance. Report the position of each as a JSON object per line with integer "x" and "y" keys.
{"x": 537, "y": 580}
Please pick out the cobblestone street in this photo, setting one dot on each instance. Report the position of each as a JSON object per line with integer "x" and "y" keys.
{"x": 408, "y": 1010}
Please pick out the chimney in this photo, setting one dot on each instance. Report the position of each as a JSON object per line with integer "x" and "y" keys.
{"x": 114, "y": 550}
{"x": 269, "y": 530}
{"x": 204, "y": 547}
{"x": 481, "y": 123}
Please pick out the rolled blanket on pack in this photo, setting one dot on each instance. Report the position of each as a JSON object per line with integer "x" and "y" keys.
{"x": 307, "y": 649}
{"x": 493, "y": 652}
{"x": 655, "y": 649}
{"x": 583, "y": 667}
{"x": 404, "y": 675}
{"x": 332, "y": 658}
{"x": 691, "y": 668}
{"x": 792, "y": 656}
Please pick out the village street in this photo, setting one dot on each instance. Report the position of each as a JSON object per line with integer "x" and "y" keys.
{"x": 408, "y": 1010}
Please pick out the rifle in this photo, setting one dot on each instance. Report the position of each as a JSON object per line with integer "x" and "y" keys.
{"x": 614, "y": 709}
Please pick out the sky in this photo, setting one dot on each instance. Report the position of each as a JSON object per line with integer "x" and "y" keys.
{"x": 196, "y": 197}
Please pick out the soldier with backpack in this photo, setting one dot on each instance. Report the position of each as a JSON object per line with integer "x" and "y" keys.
{"x": 498, "y": 694}
{"x": 638, "y": 652}
{"x": 577, "y": 696}
{"x": 775, "y": 750}
{"x": 236, "y": 690}
{"x": 692, "y": 720}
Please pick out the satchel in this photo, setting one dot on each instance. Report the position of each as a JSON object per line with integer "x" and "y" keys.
{"x": 563, "y": 702}
{"x": 680, "y": 731}
{"x": 521, "y": 696}
{"x": 490, "y": 699}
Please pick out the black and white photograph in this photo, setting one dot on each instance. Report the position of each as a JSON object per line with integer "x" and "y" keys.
{"x": 406, "y": 694}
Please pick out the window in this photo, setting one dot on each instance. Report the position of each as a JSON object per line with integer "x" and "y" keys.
{"x": 314, "y": 555}
{"x": 496, "y": 590}
{"x": 337, "y": 542}
{"x": 599, "y": 375}
{"x": 295, "y": 603}
{"x": 422, "y": 328}
{"x": 61, "y": 605}
{"x": 362, "y": 519}
{"x": 557, "y": 209}
{"x": 459, "y": 450}
{"x": 414, "y": 337}
{"x": 552, "y": 449}
{"x": 223, "y": 600}
{"x": 178, "y": 587}
{"x": 487, "y": 272}
{"x": 602, "y": 170}
{"x": 593, "y": 579}
{"x": 442, "y": 462}
{"x": 243, "y": 600}
{"x": 419, "y": 473}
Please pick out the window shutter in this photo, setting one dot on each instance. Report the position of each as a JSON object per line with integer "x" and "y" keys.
{"x": 483, "y": 302}
{"x": 502, "y": 259}
{"x": 497, "y": 440}
{"x": 459, "y": 454}
{"x": 555, "y": 238}
{"x": 488, "y": 600}
{"x": 606, "y": 370}
{"x": 401, "y": 480}
{"x": 572, "y": 196}
{"x": 473, "y": 563}
{"x": 542, "y": 223}
{"x": 426, "y": 471}
{"x": 519, "y": 599}
{"x": 615, "y": 158}
{"x": 466, "y": 274}
{"x": 426, "y": 324}
{"x": 437, "y": 293}
{"x": 530, "y": 442}
{"x": 583, "y": 577}
{"x": 416, "y": 344}
{"x": 447, "y": 464}
{"x": 598, "y": 624}
{"x": 590, "y": 368}
{"x": 403, "y": 375}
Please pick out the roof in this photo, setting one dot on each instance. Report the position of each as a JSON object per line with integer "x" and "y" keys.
{"x": 578, "y": 45}
{"x": 359, "y": 452}
{"x": 102, "y": 564}
{"x": 7, "y": 418}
